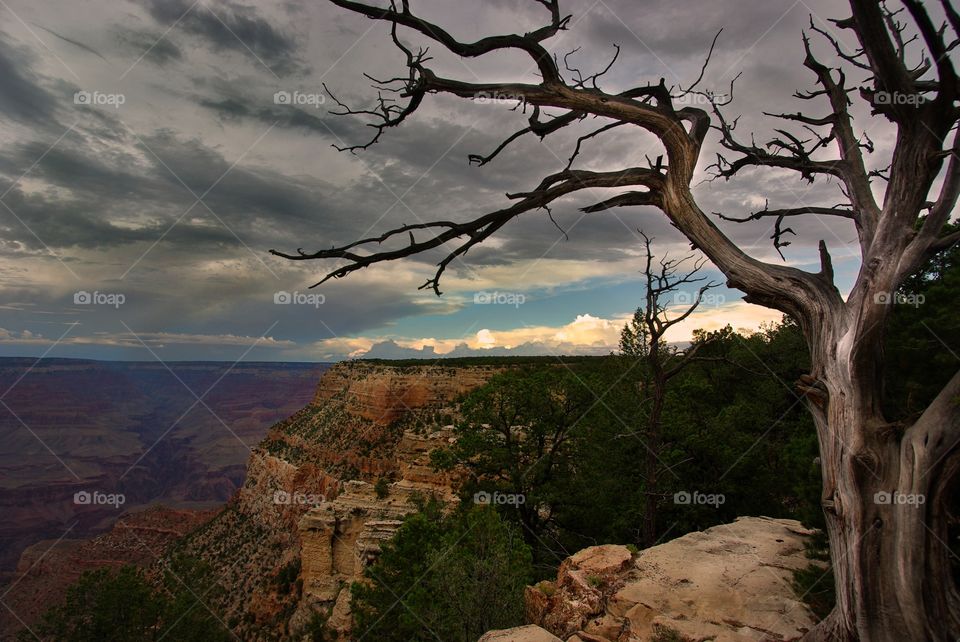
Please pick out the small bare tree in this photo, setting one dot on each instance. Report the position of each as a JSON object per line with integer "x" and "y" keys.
{"x": 643, "y": 338}
{"x": 890, "y": 560}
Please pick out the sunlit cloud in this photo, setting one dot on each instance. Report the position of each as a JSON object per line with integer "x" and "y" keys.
{"x": 585, "y": 334}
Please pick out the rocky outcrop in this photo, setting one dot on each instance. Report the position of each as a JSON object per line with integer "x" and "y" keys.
{"x": 731, "y": 582}
{"x": 341, "y": 537}
{"x": 382, "y": 393}
{"x": 338, "y": 540}
{"x": 309, "y": 518}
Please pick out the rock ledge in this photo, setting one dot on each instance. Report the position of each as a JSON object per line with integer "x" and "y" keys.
{"x": 729, "y": 583}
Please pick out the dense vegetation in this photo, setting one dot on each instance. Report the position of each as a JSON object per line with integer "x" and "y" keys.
{"x": 558, "y": 446}
{"x": 448, "y": 577}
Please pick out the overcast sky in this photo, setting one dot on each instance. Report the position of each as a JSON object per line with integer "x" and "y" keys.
{"x": 146, "y": 169}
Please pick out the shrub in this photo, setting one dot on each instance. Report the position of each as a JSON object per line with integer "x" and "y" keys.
{"x": 455, "y": 577}
{"x": 382, "y": 488}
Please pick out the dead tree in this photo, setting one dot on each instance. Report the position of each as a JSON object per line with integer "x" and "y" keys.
{"x": 643, "y": 338}
{"x": 890, "y": 559}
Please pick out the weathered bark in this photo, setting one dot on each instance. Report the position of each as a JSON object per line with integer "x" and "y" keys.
{"x": 884, "y": 497}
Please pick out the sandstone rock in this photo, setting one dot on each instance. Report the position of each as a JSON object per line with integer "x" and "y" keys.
{"x": 382, "y": 394}
{"x": 416, "y": 471}
{"x": 338, "y": 539}
{"x": 696, "y": 631}
{"x": 340, "y": 621}
{"x": 579, "y": 592}
{"x": 728, "y": 583}
{"x": 603, "y": 560}
{"x": 536, "y": 600}
{"x": 529, "y": 633}
{"x": 583, "y": 636}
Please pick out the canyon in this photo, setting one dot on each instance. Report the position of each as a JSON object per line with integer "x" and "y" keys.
{"x": 75, "y": 431}
{"x": 328, "y": 485}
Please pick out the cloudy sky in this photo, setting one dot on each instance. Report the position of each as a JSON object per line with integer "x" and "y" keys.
{"x": 146, "y": 169}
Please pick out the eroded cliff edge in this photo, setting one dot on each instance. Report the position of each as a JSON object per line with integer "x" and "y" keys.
{"x": 325, "y": 488}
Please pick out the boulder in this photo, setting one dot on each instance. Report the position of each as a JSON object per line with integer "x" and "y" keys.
{"x": 578, "y": 594}
{"x": 728, "y": 583}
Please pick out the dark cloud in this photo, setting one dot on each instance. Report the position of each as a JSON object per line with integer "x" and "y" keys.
{"x": 235, "y": 109}
{"x": 102, "y": 196}
{"x": 90, "y": 189}
{"x": 664, "y": 30}
{"x": 231, "y": 27}
{"x": 155, "y": 47}
{"x": 21, "y": 98}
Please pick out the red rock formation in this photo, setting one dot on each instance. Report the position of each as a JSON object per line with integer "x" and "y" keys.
{"x": 383, "y": 394}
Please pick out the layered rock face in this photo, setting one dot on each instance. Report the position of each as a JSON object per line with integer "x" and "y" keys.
{"x": 729, "y": 583}
{"x": 383, "y": 394}
{"x": 338, "y": 540}
{"x": 310, "y": 518}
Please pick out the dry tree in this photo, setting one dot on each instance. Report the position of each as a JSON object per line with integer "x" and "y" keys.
{"x": 893, "y": 579}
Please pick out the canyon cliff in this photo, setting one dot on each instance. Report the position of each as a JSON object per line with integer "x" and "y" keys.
{"x": 325, "y": 488}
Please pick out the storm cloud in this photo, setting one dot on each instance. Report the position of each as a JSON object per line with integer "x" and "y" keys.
{"x": 173, "y": 187}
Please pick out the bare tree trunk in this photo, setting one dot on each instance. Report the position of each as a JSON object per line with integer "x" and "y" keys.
{"x": 644, "y": 338}
{"x": 884, "y": 493}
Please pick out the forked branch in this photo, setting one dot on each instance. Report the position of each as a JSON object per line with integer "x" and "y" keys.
{"x": 803, "y": 146}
